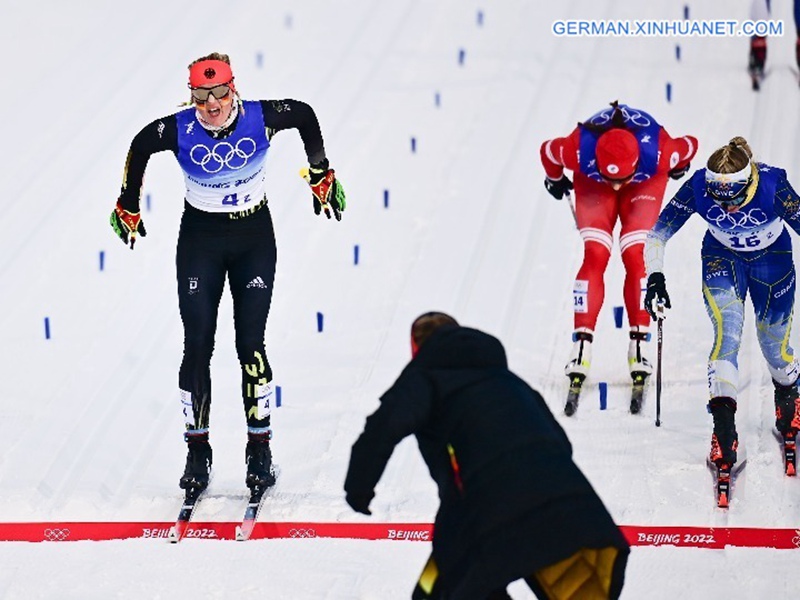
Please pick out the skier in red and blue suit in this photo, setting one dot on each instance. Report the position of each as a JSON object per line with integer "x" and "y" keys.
{"x": 761, "y": 10}
{"x": 621, "y": 158}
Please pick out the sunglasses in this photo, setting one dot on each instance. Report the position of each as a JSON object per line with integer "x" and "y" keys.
{"x": 729, "y": 193}
{"x": 200, "y": 95}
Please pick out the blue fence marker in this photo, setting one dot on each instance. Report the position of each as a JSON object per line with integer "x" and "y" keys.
{"x": 618, "y": 311}
{"x": 147, "y": 202}
{"x": 102, "y": 260}
{"x": 319, "y": 321}
{"x": 413, "y": 144}
{"x": 678, "y": 52}
{"x": 355, "y": 254}
{"x": 47, "y": 328}
{"x": 385, "y": 198}
{"x": 669, "y": 92}
{"x": 462, "y": 54}
{"x": 603, "y": 386}
{"x": 277, "y": 396}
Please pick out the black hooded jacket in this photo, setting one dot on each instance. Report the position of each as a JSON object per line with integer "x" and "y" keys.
{"x": 507, "y": 482}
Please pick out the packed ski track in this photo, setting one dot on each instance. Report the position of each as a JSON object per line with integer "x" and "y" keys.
{"x": 90, "y": 419}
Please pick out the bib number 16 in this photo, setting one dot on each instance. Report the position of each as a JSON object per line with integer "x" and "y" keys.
{"x": 751, "y": 241}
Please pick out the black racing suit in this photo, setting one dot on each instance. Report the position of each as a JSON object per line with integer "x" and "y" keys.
{"x": 212, "y": 245}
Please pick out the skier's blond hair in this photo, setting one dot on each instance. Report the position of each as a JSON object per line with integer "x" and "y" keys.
{"x": 732, "y": 157}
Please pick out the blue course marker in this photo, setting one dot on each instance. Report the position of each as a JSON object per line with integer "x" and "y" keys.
{"x": 437, "y": 99}
{"x": 413, "y": 144}
{"x": 462, "y": 54}
{"x": 685, "y": 11}
{"x": 259, "y": 59}
{"x": 678, "y": 52}
{"x": 277, "y": 396}
{"x": 385, "y": 198}
{"x": 603, "y": 386}
{"x": 669, "y": 92}
{"x": 355, "y": 254}
{"x": 618, "y": 311}
{"x": 480, "y": 18}
{"x": 319, "y": 321}
{"x": 47, "y": 328}
{"x": 147, "y": 202}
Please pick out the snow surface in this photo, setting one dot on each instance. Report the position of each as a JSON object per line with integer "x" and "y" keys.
{"x": 90, "y": 422}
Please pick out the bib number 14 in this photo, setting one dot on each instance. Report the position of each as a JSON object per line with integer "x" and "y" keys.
{"x": 580, "y": 296}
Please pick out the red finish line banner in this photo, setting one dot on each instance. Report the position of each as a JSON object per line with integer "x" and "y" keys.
{"x": 703, "y": 537}
{"x": 102, "y": 531}
{"x": 690, "y": 537}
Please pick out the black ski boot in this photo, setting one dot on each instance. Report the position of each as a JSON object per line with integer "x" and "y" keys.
{"x": 725, "y": 440}
{"x": 787, "y": 408}
{"x": 787, "y": 422}
{"x": 198, "y": 463}
{"x": 258, "y": 457}
{"x": 757, "y": 60}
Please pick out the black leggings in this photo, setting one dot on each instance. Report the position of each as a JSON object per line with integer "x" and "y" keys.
{"x": 211, "y": 246}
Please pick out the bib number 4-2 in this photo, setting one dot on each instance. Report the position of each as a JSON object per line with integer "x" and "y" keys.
{"x": 233, "y": 199}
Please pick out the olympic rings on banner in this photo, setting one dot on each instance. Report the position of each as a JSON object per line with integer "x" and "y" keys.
{"x": 56, "y": 535}
{"x": 302, "y": 533}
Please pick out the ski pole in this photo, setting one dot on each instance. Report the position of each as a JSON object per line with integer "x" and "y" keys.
{"x": 572, "y": 208}
{"x": 660, "y": 309}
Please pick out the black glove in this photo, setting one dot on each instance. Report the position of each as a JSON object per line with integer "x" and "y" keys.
{"x": 678, "y": 173}
{"x": 558, "y": 187}
{"x": 656, "y": 294}
{"x": 360, "y": 502}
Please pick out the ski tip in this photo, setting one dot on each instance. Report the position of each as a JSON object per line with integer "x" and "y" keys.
{"x": 239, "y": 534}
{"x": 173, "y": 536}
{"x": 723, "y": 501}
{"x": 570, "y": 408}
{"x": 791, "y": 471}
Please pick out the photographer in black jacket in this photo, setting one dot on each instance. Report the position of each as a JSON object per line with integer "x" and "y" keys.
{"x": 513, "y": 504}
